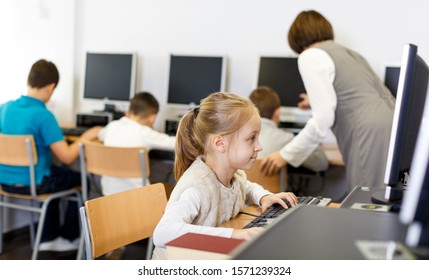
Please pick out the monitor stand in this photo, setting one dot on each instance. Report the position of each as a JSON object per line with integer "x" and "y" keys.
{"x": 111, "y": 108}
{"x": 394, "y": 197}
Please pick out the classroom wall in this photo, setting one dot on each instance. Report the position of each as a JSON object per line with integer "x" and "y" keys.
{"x": 33, "y": 29}
{"x": 63, "y": 31}
{"x": 243, "y": 30}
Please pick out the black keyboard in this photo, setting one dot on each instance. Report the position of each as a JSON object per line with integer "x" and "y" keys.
{"x": 74, "y": 131}
{"x": 276, "y": 210}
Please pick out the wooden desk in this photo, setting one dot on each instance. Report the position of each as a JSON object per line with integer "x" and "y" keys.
{"x": 69, "y": 138}
{"x": 241, "y": 220}
{"x": 333, "y": 154}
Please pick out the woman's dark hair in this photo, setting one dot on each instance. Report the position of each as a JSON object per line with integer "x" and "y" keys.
{"x": 309, "y": 27}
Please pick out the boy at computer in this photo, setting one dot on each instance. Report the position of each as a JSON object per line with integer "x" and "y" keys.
{"x": 135, "y": 129}
{"x": 272, "y": 137}
{"x": 29, "y": 115}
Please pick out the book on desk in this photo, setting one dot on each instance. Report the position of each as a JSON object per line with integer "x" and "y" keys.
{"x": 195, "y": 246}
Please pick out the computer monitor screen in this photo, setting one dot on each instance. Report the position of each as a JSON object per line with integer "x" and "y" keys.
{"x": 192, "y": 78}
{"x": 391, "y": 78}
{"x": 110, "y": 76}
{"x": 282, "y": 74}
{"x": 415, "y": 206}
{"x": 407, "y": 116}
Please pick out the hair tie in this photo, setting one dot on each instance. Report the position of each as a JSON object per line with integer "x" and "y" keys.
{"x": 196, "y": 111}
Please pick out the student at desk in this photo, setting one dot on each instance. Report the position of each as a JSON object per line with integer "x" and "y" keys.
{"x": 346, "y": 95}
{"x": 135, "y": 129}
{"x": 272, "y": 137}
{"x": 29, "y": 115}
{"x": 215, "y": 143}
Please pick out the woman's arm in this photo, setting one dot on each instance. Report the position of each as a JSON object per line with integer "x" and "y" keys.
{"x": 318, "y": 72}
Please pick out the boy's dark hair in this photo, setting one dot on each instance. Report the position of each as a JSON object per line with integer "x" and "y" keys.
{"x": 43, "y": 73}
{"x": 144, "y": 104}
{"x": 266, "y": 100}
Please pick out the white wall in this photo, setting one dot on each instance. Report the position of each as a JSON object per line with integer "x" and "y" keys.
{"x": 63, "y": 31}
{"x": 243, "y": 30}
{"x": 30, "y": 30}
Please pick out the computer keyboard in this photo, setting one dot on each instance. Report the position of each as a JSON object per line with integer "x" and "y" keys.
{"x": 74, "y": 131}
{"x": 276, "y": 210}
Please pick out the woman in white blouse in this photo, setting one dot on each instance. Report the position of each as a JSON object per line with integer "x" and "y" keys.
{"x": 346, "y": 96}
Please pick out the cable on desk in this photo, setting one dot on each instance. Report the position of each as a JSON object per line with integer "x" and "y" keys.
{"x": 250, "y": 214}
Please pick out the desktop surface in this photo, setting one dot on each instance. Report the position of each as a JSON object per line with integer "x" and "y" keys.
{"x": 362, "y": 197}
{"x": 359, "y": 194}
{"x": 311, "y": 232}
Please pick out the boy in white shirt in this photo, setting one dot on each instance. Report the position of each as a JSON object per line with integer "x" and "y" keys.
{"x": 135, "y": 129}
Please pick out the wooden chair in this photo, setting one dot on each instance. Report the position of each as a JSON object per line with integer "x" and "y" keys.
{"x": 124, "y": 162}
{"x": 275, "y": 183}
{"x": 19, "y": 150}
{"x": 112, "y": 221}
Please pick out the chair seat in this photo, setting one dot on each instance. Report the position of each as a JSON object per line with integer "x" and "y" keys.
{"x": 40, "y": 197}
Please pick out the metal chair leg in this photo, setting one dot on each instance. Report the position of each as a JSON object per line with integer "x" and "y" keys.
{"x": 149, "y": 248}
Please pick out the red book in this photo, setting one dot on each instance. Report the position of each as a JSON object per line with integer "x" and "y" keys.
{"x": 195, "y": 246}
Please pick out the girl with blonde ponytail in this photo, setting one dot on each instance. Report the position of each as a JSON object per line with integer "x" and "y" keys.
{"x": 215, "y": 142}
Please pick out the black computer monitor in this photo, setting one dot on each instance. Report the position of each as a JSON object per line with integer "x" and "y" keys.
{"x": 193, "y": 78}
{"x": 282, "y": 74}
{"x": 410, "y": 100}
{"x": 110, "y": 77}
{"x": 415, "y": 206}
{"x": 391, "y": 78}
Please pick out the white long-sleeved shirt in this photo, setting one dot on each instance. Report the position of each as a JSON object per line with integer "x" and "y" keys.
{"x": 199, "y": 203}
{"x": 318, "y": 73}
{"x": 128, "y": 133}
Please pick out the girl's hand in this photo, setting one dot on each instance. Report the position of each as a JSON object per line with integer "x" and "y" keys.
{"x": 279, "y": 198}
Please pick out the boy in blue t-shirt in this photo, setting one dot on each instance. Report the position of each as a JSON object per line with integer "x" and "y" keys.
{"x": 29, "y": 115}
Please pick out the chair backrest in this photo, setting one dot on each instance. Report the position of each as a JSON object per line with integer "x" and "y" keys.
{"x": 120, "y": 219}
{"x": 274, "y": 183}
{"x": 125, "y": 162}
{"x": 14, "y": 150}
{"x": 20, "y": 150}
{"x": 115, "y": 161}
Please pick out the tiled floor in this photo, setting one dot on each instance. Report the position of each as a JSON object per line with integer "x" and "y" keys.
{"x": 17, "y": 247}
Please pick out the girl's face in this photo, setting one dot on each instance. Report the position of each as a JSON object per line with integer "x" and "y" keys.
{"x": 244, "y": 144}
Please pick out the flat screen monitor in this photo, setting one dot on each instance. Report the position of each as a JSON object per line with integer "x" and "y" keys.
{"x": 110, "y": 76}
{"x": 407, "y": 116}
{"x": 282, "y": 74}
{"x": 415, "y": 206}
{"x": 192, "y": 78}
{"x": 391, "y": 78}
